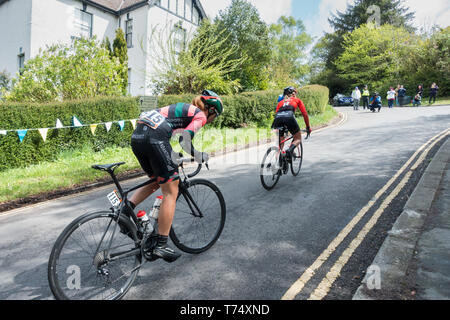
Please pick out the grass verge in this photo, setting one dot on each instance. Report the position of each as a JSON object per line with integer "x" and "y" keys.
{"x": 73, "y": 168}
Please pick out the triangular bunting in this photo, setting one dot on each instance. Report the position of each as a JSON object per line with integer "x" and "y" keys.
{"x": 108, "y": 126}
{"x": 76, "y": 122}
{"x": 59, "y": 124}
{"x": 3, "y": 132}
{"x": 133, "y": 123}
{"x": 22, "y": 134}
{"x": 43, "y": 133}
{"x": 93, "y": 127}
{"x": 121, "y": 125}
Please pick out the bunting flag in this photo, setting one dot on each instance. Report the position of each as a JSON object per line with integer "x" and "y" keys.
{"x": 43, "y": 133}
{"x": 76, "y": 122}
{"x": 121, "y": 124}
{"x": 22, "y": 134}
{"x": 93, "y": 127}
{"x": 59, "y": 124}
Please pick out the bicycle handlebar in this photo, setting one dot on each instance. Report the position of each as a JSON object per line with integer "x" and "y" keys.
{"x": 191, "y": 160}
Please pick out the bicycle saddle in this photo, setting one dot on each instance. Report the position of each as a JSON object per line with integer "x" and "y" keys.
{"x": 107, "y": 167}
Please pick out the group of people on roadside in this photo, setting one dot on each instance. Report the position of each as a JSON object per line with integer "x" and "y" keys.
{"x": 396, "y": 97}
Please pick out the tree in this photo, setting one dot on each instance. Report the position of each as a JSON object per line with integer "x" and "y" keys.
{"x": 289, "y": 42}
{"x": 107, "y": 45}
{"x": 80, "y": 70}
{"x": 371, "y": 55}
{"x": 120, "y": 51}
{"x": 204, "y": 63}
{"x": 246, "y": 32}
{"x": 428, "y": 61}
{"x": 5, "y": 79}
{"x": 390, "y": 12}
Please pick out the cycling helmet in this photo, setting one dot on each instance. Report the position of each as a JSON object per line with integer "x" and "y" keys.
{"x": 212, "y": 99}
{"x": 289, "y": 90}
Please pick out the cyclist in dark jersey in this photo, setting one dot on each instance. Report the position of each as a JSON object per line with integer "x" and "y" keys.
{"x": 285, "y": 115}
{"x": 150, "y": 143}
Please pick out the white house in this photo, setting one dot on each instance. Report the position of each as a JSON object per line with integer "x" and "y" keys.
{"x": 26, "y": 26}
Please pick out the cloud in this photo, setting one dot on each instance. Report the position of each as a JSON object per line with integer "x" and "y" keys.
{"x": 269, "y": 10}
{"x": 317, "y": 24}
{"x": 429, "y": 13}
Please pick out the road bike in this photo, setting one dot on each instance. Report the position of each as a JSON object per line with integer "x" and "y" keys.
{"x": 99, "y": 254}
{"x": 276, "y": 163}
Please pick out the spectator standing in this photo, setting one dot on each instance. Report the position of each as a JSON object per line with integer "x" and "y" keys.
{"x": 391, "y": 97}
{"x": 433, "y": 92}
{"x": 419, "y": 90}
{"x": 396, "y": 95}
{"x": 356, "y": 95}
{"x": 401, "y": 95}
{"x": 365, "y": 97}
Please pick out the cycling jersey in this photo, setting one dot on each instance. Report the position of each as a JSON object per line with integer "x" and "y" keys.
{"x": 180, "y": 116}
{"x": 150, "y": 141}
{"x": 291, "y": 104}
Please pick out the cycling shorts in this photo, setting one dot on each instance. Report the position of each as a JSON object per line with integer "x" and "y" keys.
{"x": 286, "y": 118}
{"x": 153, "y": 150}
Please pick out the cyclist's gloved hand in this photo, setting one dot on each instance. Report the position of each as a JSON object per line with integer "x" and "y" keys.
{"x": 308, "y": 131}
{"x": 176, "y": 157}
{"x": 205, "y": 157}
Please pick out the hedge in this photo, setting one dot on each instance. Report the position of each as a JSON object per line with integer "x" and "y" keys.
{"x": 240, "y": 110}
{"x": 256, "y": 107}
{"x": 33, "y": 150}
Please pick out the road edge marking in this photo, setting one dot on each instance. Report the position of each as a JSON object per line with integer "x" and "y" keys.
{"x": 298, "y": 285}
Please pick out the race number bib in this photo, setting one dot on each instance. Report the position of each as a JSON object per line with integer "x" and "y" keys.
{"x": 153, "y": 118}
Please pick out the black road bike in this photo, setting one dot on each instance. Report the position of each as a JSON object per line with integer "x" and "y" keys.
{"x": 99, "y": 254}
{"x": 276, "y": 163}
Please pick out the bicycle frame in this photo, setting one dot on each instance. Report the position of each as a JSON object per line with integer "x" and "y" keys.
{"x": 124, "y": 195}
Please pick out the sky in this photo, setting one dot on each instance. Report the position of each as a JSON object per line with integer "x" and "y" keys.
{"x": 315, "y": 13}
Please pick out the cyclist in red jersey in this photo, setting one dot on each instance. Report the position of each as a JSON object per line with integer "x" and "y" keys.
{"x": 285, "y": 115}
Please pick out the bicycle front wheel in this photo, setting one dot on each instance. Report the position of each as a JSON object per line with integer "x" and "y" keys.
{"x": 270, "y": 171}
{"x": 93, "y": 260}
{"x": 297, "y": 159}
{"x": 199, "y": 217}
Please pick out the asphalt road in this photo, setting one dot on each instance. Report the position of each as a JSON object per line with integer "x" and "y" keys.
{"x": 270, "y": 237}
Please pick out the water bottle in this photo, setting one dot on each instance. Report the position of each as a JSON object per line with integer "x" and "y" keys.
{"x": 144, "y": 221}
{"x": 156, "y": 206}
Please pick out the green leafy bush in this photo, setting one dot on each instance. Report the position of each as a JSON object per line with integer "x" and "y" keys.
{"x": 33, "y": 149}
{"x": 256, "y": 108}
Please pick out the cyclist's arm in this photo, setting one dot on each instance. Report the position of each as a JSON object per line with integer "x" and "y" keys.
{"x": 188, "y": 134}
{"x": 302, "y": 108}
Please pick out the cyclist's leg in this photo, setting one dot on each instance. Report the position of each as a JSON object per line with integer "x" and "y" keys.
{"x": 167, "y": 172}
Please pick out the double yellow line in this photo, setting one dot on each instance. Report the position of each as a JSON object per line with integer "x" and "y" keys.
{"x": 325, "y": 285}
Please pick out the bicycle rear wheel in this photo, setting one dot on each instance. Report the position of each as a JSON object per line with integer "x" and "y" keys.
{"x": 82, "y": 268}
{"x": 297, "y": 159}
{"x": 270, "y": 171}
{"x": 191, "y": 232}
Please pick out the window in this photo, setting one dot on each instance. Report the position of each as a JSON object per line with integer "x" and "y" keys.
{"x": 179, "y": 38}
{"x": 188, "y": 14}
{"x": 173, "y": 5}
{"x": 83, "y": 23}
{"x": 129, "y": 80}
{"x": 180, "y": 8}
{"x": 21, "y": 61}
{"x": 164, "y": 3}
{"x": 129, "y": 32}
{"x": 195, "y": 16}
